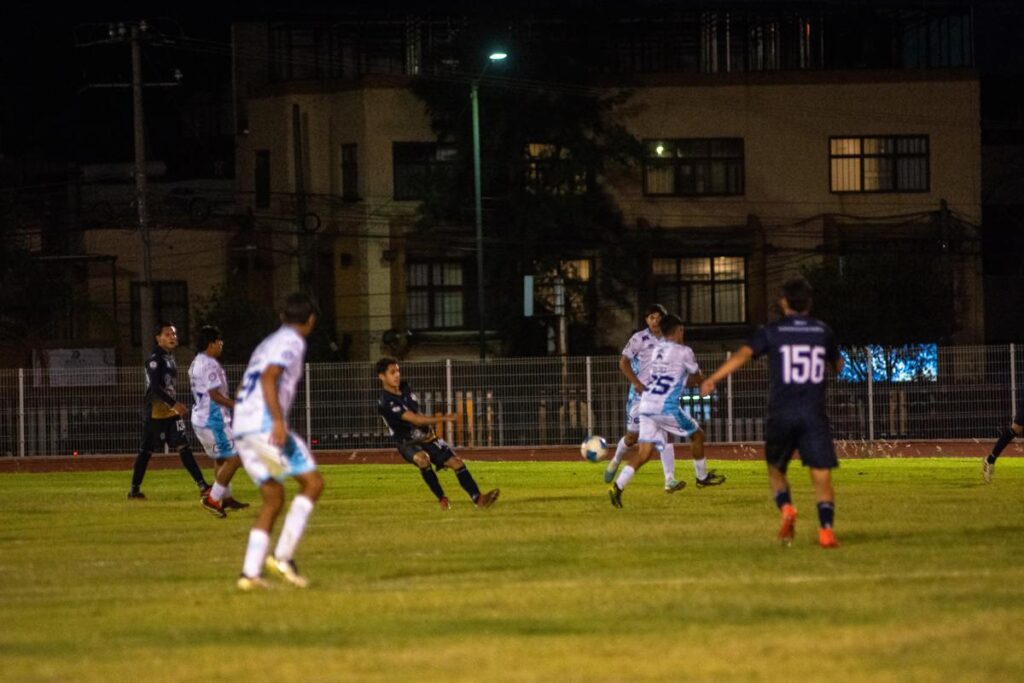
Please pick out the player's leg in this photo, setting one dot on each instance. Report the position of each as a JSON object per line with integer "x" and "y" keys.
{"x": 220, "y": 443}
{"x": 825, "y": 496}
{"x": 212, "y": 499}
{"x": 650, "y": 438}
{"x": 778, "y": 450}
{"x": 627, "y": 441}
{"x": 442, "y": 455}
{"x": 668, "y": 465}
{"x": 818, "y": 454}
{"x": 413, "y": 453}
{"x": 255, "y": 451}
{"x": 142, "y": 460}
{"x": 302, "y": 467}
{"x": 1015, "y": 430}
{"x": 177, "y": 440}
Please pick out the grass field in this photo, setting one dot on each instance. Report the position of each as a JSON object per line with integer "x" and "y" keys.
{"x": 552, "y": 584}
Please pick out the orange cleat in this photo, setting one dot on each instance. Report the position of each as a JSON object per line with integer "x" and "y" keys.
{"x": 827, "y": 538}
{"x": 788, "y": 527}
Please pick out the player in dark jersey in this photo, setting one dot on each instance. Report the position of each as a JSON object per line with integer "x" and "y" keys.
{"x": 417, "y": 442}
{"x": 798, "y": 347}
{"x": 1014, "y": 431}
{"x": 164, "y": 419}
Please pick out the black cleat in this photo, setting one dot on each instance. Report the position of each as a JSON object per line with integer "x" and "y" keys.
{"x": 615, "y": 494}
{"x": 713, "y": 479}
{"x": 137, "y": 495}
{"x": 232, "y": 504}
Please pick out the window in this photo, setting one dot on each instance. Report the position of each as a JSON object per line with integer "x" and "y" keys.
{"x": 349, "y": 173}
{"x": 577, "y": 289}
{"x": 434, "y": 295}
{"x": 894, "y": 163}
{"x": 418, "y": 166}
{"x": 706, "y": 290}
{"x": 261, "y": 181}
{"x": 170, "y": 302}
{"x": 550, "y": 170}
{"x": 694, "y": 167}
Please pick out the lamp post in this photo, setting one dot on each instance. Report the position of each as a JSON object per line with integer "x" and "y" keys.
{"x": 474, "y": 96}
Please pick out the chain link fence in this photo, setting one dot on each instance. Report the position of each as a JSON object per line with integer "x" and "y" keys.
{"x": 971, "y": 393}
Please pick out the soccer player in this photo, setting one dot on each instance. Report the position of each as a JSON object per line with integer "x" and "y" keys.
{"x": 270, "y": 452}
{"x": 672, "y": 367}
{"x": 163, "y": 422}
{"x": 417, "y": 442}
{"x": 798, "y": 347}
{"x": 634, "y": 364}
{"x": 1015, "y": 430}
{"x": 211, "y": 419}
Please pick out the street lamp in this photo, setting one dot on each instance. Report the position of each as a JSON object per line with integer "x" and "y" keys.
{"x": 474, "y": 96}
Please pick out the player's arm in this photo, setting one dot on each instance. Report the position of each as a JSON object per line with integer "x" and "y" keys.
{"x": 155, "y": 371}
{"x": 220, "y": 399}
{"x": 268, "y": 382}
{"x": 734, "y": 363}
{"x": 626, "y": 368}
{"x": 427, "y": 420}
{"x": 695, "y": 380}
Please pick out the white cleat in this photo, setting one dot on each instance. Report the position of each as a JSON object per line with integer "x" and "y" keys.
{"x": 987, "y": 470}
{"x": 252, "y": 583}
{"x": 286, "y": 569}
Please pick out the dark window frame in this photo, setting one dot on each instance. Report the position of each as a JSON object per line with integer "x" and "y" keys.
{"x": 684, "y": 287}
{"x": 675, "y": 161}
{"x": 180, "y": 321}
{"x": 428, "y": 161}
{"x": 893, "y": 157}
{"x": 433, "y": 291}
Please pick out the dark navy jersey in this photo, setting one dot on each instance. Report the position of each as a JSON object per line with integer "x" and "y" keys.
{"x": 392, "y": 406}
{"x": 161, "y": 376}
{"x": 799, "y": 348}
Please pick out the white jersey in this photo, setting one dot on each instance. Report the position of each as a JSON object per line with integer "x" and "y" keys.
{"x": 285, "y": 348}
{"x": 671, "y": 365}
{"x": 639, "y": 350}
{"x": 205, "y": 374}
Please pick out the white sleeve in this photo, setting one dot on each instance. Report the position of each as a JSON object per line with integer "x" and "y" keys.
{"x": 632, "y": 348}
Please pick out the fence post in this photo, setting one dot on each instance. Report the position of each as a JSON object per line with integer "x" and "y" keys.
{"x": 590, "y": 399}
{"x": 1013, "y": 379}
{"x": 309, "y": 412}
{"x": 871, "y": 397}
{"x": 449, "y": 408}
{"x": 21, "y": 412}
{"x": 728, "y": 403}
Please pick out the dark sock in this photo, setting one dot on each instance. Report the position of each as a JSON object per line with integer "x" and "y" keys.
{"x": 139, "y": 469}
{"x": 430, "y": 476}
{"x": 1005, "y": 437}
{"x": 189, "y": 461}
{"x": 467, "y": 483}
{"x": 826, "y": 514}
{"x": 782, "y": 498}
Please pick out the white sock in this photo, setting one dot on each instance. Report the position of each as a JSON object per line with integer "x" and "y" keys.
{"x": 255, "y": 552}
{"x": 294, "y": 525}
{"x": 700, "y": 468}
{"x": 625, "y": 476}
{"x": 668, "y": 462}
{"x": 218, "y": 492}
{"x": 620, "y": 451}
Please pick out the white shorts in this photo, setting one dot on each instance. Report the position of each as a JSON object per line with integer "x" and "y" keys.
{"x": 218, "y": 442}
{"x": 263, "y": 461}
{"x": 656, "y": 428}
{"x": 633, "y": 413}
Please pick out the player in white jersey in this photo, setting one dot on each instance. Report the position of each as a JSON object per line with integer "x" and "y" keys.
{"x": 269, "y": 451}
{"x": 634, "y": 364}
{"x": 672, "y": 367}
{"x": 211, "y": 419}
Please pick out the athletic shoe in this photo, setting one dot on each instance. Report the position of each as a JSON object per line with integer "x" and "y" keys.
{"x": 444, "y": 503}
{"x": 486, "y": 500}
{"x": 286, "y": 570}
{"x": 215, "y": 508}
{"x": 251, "y": 583}
{"x": 713, "y": 479}
{"x": 987, "y": 470}
{"x": 610, "y": 470}
{"x": 788, "y": 527}
{"x": 137, "y": 495}
{"x": 232, "y": 504}
{"x": 827, "y": 538}
{"x": 672, "y": 486}
{"x": 615, "y": 494}
{"x": 205, "y": 490}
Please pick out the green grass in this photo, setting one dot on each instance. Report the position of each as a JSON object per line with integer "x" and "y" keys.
{"x": 552, "y": 584}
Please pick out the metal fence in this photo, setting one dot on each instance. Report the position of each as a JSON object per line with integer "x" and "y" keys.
{"x": 519, "y": 402}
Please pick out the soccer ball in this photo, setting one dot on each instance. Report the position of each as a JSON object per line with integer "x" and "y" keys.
{"x": 594, "y": 449}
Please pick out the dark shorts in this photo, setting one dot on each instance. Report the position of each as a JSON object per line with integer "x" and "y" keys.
{"x": 809, "y": 434}
{"x": 437, "y": 450}
{"x": 168, "y": 430}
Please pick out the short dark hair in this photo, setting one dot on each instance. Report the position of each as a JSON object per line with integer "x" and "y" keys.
{"x": 297, "y": 308}
{"x": 207, "y": 335}
{"x": 669, "y": 323}
{"x": 655, "y": 308}
{"x": 797, "y": 293}
{"x": 384, "y": 363}
{"x": 159, "y": 325}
